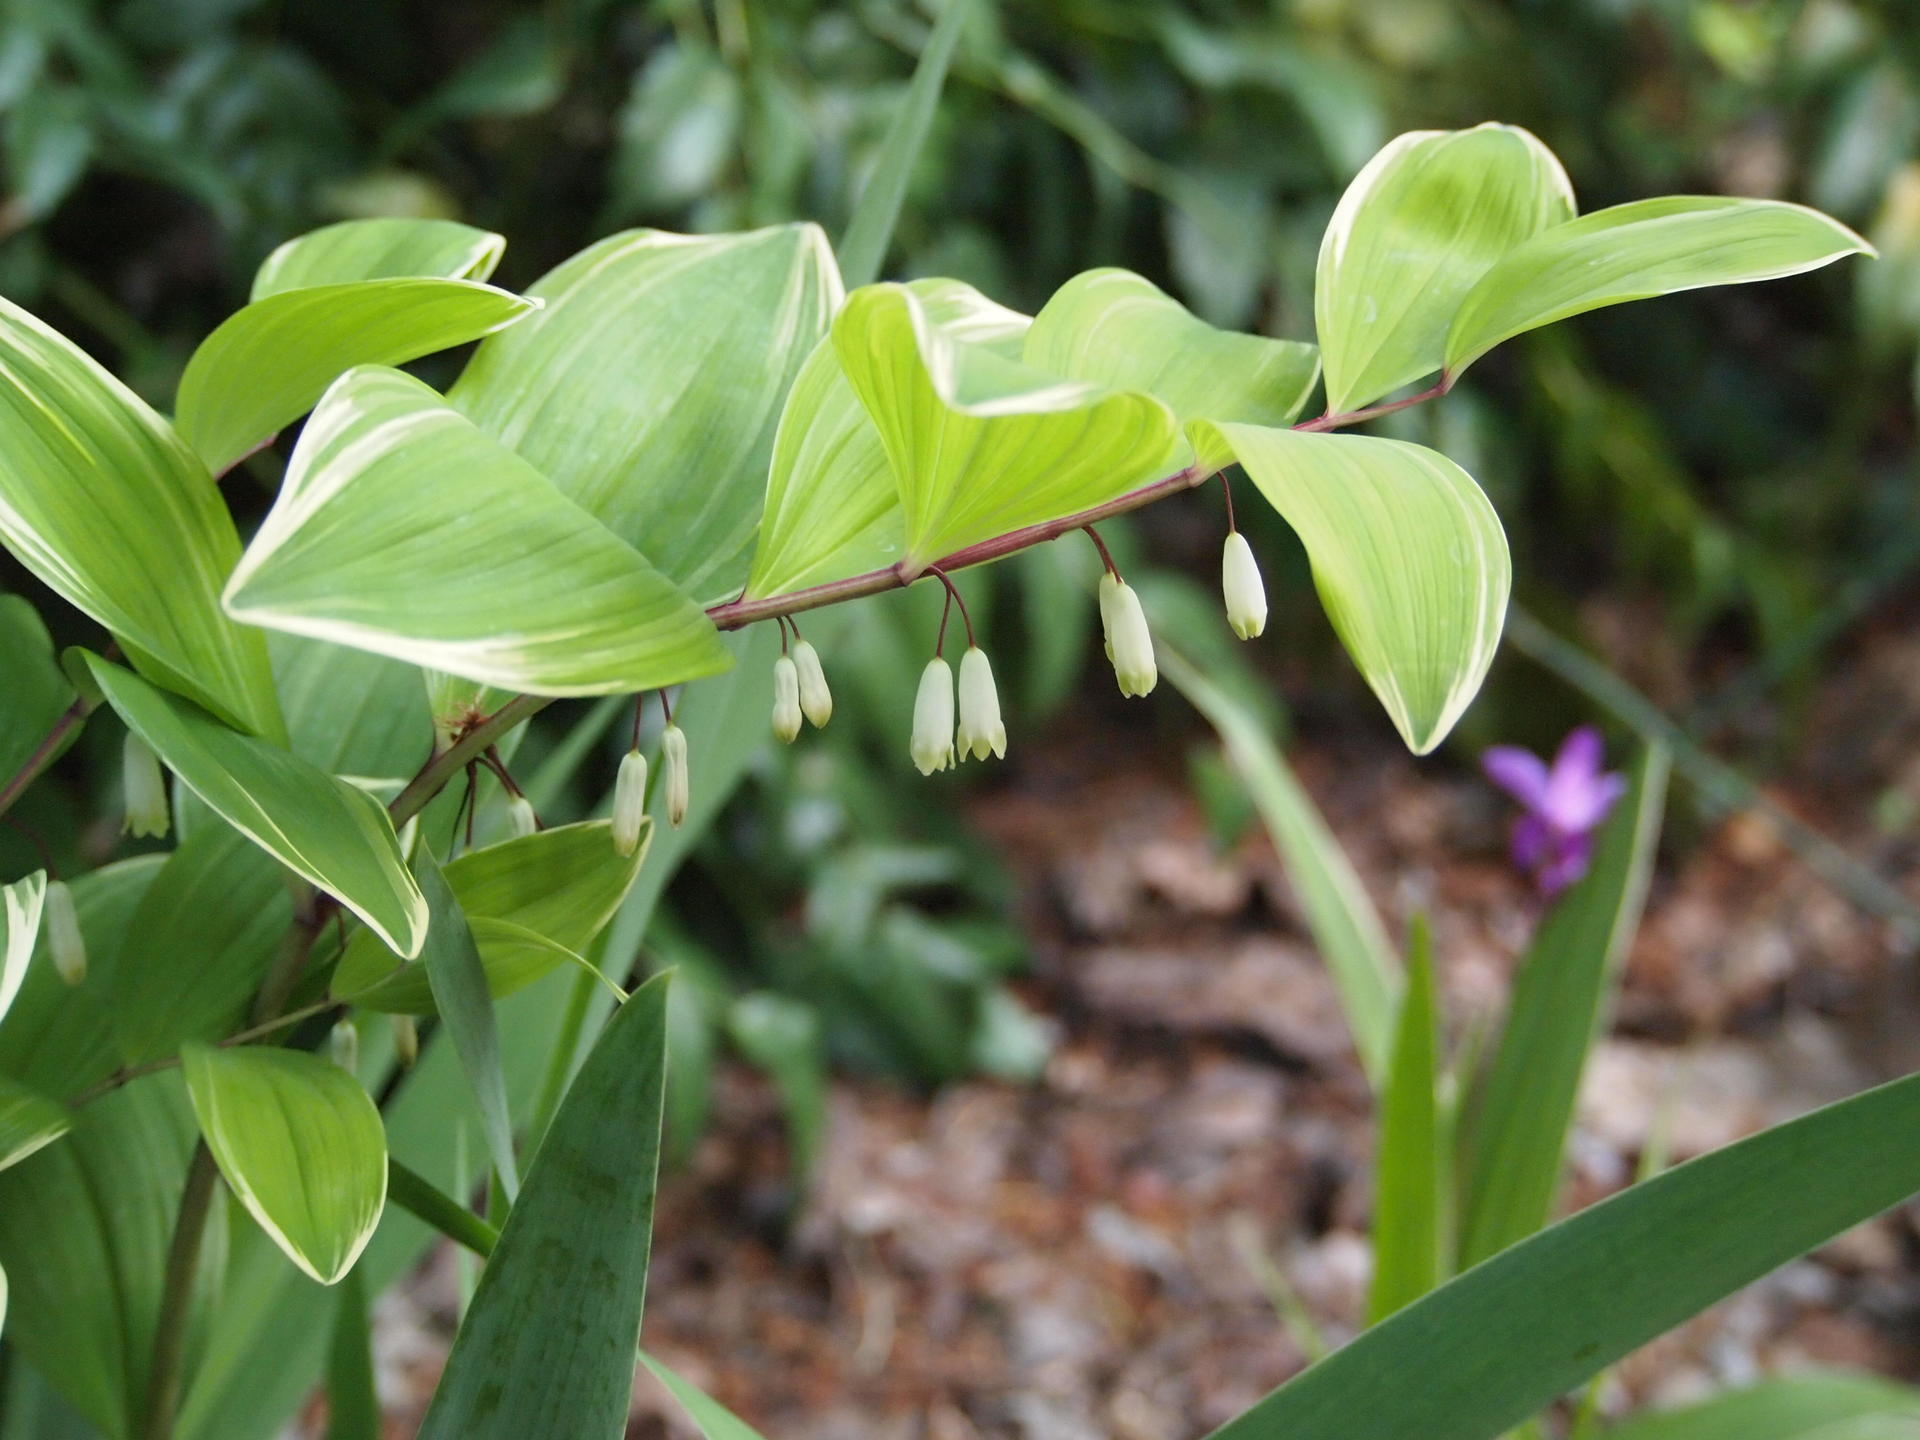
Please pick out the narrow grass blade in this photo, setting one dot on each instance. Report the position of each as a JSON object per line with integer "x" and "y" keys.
{"x": 353, "y": 1409}
{"x": 863, "y": 249}
{"x": 1496, "y": 1345}
{"x": 1815, "y": 1406}
{"x": 716, "y": 1422}
{"x": 1410, "y": 1169}
{"x": 459, "y": 983}
{"x": 1515, "y": 1134}
{"x": 1345, "y": 925}
{"x": 547, "y": 1347}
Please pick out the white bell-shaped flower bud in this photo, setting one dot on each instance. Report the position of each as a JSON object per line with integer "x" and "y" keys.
{"x": 521, "y": 817}
{"x": 1129, "y": 644}
{"x": 343, "y": 1046}
{"x": 144, "y": 789}
{"x": 786, "y": 699}
{"x": 673, "y": 755}
{"x": 629, "y": 802}
{"x": 981, "y": 733}
{"x": 815, "y": 698}
{"x": 64, "y": 941}
{"x": 1241, "y": 586}
{"x": 406, "y": 1040}
{"x": 932, "y": 745}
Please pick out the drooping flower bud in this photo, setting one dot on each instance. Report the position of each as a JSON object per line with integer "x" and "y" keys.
{"x": 981, "y": 732}
{"x": 786, "y": 699}
{"x": 1129, "y": 644}
{"x": 64, "y": 941}
{"x": 1240, "y": 584}
{"x": 673, "y": 754}
{"x": 144, "y": 788}
{"x": 343, "y": 1046}
{"x": 521, "y": 817}
{"x": 629, "y": 802}
{"x": 815, "y": 698}
{"x": 932, "y": 744}
{"x": 406, "y": 1040}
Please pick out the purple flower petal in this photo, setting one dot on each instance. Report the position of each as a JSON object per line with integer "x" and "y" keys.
{"x": 1532, "y": 840}
{"x": 1521, "y": 773}
{"x": 1577, "y": 794}
{"x": 1567, "y": 866}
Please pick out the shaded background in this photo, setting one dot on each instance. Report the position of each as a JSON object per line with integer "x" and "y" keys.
{"x": 1092, "y": 1117}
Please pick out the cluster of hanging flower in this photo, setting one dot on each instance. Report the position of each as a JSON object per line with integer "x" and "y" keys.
{"x": 630, "y": 788}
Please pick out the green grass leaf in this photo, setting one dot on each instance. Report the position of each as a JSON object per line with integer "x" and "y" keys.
{"x": 1408, "y": 556}
{"x": 1118, "y": 329}
{"x": 353, "y": 1407}
{"x": 1345, "y": 926}
{"x": 1414, "y": 232}
{"x": 299, "y": 1143}
{"x": 562, "y": 884}
{"x": 979, "y": 444}
{"x": 383, "y": 248}
{"x": 1518, "y": 1118}
{"x": 863, "y": 249}
{"x": 403, "y": 529}
{"x": 1486, "y": 1350}
{"x": 547, "y": 1348}
{"x": 715, "y": 1421}
{"x": 1411, "y": 1179}
{"x": 1637, "y": 251}
{"x": 832, "y": 507}
{"x": 1822, "y": 1405}
{"x": 319, "y": 827}
{"x": 27, "y": 1122}
{"x": 648, "y": 388}
{"x": 459, "y": 984}
{"x": 102, "y": 501}
{"x": 267, "y": 364}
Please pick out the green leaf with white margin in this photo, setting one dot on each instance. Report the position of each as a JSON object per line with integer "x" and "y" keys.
{"x": 36, "y": 692}
{"x": 350, "y": 712}
{"x": 1636, "y": 252}
{"x": 562, "y": 884}
{"x": 459, "y": 983}
{"x": 1408, "y": 556}
{"x": 102, "y": 501}
{"x": 317, "y": 826}
{"x": 28, "y": 1121}
{"x": 547, "y": 1346}
{"x": 22, "y": 900}
{"x": 981, "y": 445}
{"x": 1117, "y": 328}
{"x": 716, "y": 1422}
{"x": 301, "y": 1145}
{"x": 384, "y": 248}
{"x": 832, "y": 508}
{"x": 1502, "y": 1341}
{"x": 267, "y": 363}
{"x": 649, "y": 387}
{"x": 1817, "y": 1405}
{"x": 1414, "y": 232}
{"x": 404, "y": 529}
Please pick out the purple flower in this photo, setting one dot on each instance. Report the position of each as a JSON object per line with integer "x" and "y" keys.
{"x": 1563, "y": 805}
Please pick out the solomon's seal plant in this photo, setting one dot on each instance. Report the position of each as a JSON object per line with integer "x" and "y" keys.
{"x": 668, "y": 440}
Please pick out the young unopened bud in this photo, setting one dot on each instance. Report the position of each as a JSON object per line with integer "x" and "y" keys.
{"x": 144, "y": 788}
{"x": 343, "y": 1046}
{"x": 1240, "y": 584}
{"x": 406, "y": 1040}
{"x": 786, "y": 699}
{"x": 815, "y": 698}
{"x": 521, "y": 817}
{"x": 64, "y": 941}
{"x": 1129, "y": 645}
{"x": 981, "y": 732}
{"x": 932, "y": 744}
{"x": 629, "y": 802}
{"x": 673, "y": 755}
